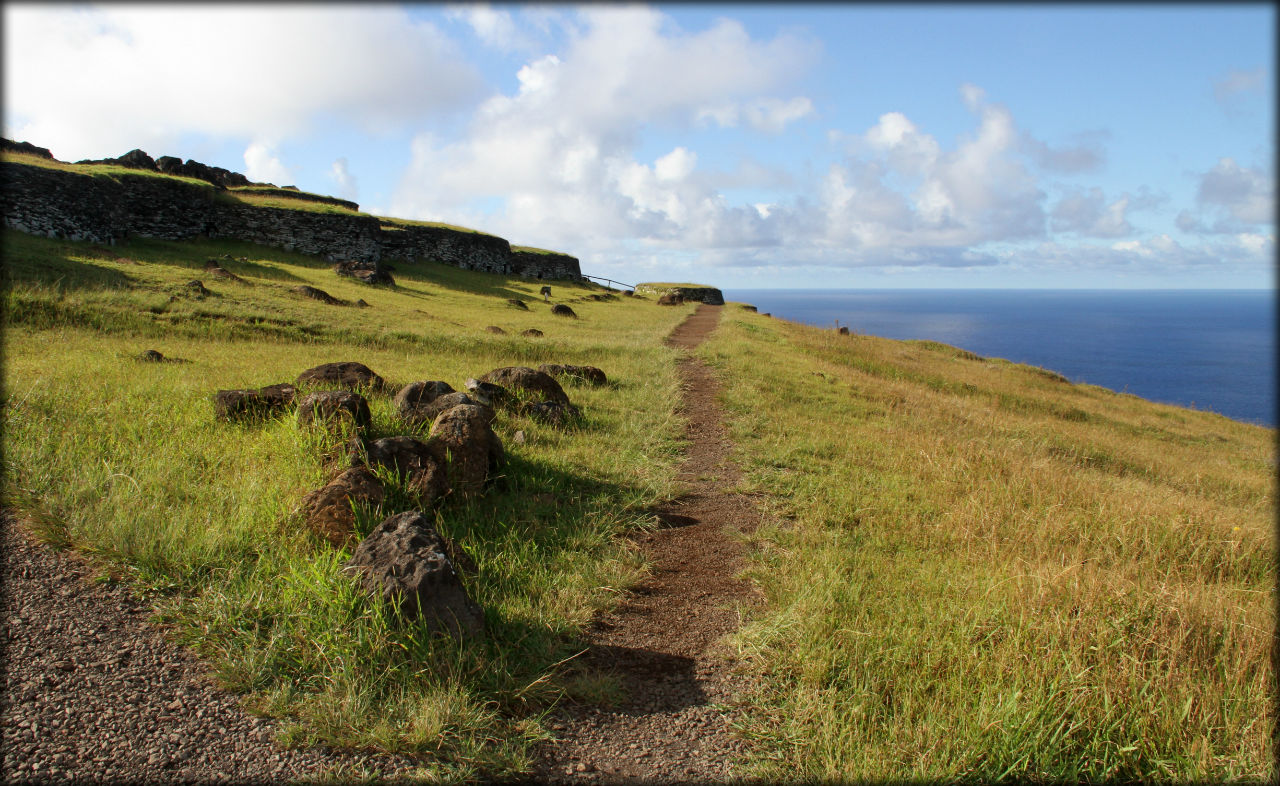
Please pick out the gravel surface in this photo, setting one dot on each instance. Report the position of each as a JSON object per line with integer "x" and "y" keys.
{"x": 94, "y": 692}
{"x": 664, "y": 642}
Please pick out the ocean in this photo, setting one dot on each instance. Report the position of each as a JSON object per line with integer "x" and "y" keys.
{"x": 1206, "y": 349}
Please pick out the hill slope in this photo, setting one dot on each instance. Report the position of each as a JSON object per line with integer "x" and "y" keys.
{"x": 980, "y": 569}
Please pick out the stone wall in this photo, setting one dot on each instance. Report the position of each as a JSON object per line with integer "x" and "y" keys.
{"x": 552, "y": 266}
{"x": 107, "y": 208}
{"x": 467, "y": 250}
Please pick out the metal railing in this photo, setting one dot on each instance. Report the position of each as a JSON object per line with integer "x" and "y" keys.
{"x": 611, "y": 281}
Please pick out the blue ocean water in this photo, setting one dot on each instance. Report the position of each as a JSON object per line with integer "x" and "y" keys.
{"x": 1208, "y": 349}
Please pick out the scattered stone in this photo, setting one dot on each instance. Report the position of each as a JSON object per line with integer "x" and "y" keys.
{"x": 487, "y": 393}
{"x": 629, "y": 292}
{"x": 518, "y": 303}
{"x": 218, "y": 271}
{"x": 328, "y": 406}
{"x": 534, "y": 382}
{"x": 348, "y": 375}
{"x": 422, "y": 465}
{"x": 263, "y": 402}
{"x": 495, "y": 329}
{"x": 197, "y": 289}
{"x": 368, "y": 272}
{"x": 748, "y": 307}
{"x": 417, "y": 394}
{"x": 588, "y": 374}
{"x": 561, "y": 310}
{"x": 361, "y": 304}
{"x": 532, "y": 333}
{"x": 518, "y": 438}
{"x": 405, "y": 560}
{"x": 844, "y": 331}
{"x": 473, "y": 449}
{"x": 318, "y": 294}
{"x": 424, "y": 414}
{"x": 151, "y": 356}
{"x": 328, "y": 511}
{"x": 671, "y": 299}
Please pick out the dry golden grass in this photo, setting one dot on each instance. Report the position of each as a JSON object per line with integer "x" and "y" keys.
{"x": 985, "y": 571}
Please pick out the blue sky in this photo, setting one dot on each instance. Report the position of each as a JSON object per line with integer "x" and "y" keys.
{"x": 746, "y": 146}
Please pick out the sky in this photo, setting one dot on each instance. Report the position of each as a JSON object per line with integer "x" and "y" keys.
{"x": 739, "y": 145}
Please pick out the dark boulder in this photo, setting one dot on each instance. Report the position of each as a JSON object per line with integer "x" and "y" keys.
{"x": 518, "y": 303}
{"x": 748, "y": 307}
{"x": 318, "y": 294}
{"x": 333, "y": 406}
{"x": 348, "y": 375}
{"x": 532, "y": 333}
{"x": 406, "y": 562}
{"x": 263, "y": 402}
{"x": 10, "y": 146}
{"x": 588, "y": 374}
{"x": 421, "y": 465}
{"x": 473, "y": 449}
{"x": 561, "y": 310}
{"x": 425, "y": 414}
{"x": 151, "y": 356}
{"x": 368, "y": 272}
{"x": 496, "y": 330}
{"x": 328, "y": 511}
{"x": 197, "y": 289}
{"x": 420, "y": 393}
{"x": 218, "y": 271}
{"x": 488, "y": 394}
{"x": 535, "y": 384}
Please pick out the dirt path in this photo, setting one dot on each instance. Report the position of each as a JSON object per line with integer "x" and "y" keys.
{"x": 662, "y": 641}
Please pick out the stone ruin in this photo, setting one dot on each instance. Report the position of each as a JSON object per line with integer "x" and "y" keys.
{"x": 404, "y": 559}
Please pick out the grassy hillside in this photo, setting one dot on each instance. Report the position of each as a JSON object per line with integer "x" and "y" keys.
{"x": 125, "y": 460}
{"x": 982, "y": 571}
{"x": 977, "y": 569}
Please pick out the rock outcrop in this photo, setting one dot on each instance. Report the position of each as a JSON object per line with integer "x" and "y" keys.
{"x": 348, "y": 375}
{"x": 197, "y": 200}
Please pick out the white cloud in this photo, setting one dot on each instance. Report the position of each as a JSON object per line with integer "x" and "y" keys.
{"x": 1238, "y": 82}
{"x": 1086, "y": 213}
{"x": 340, "y": 173}
{"x": 90, "y": 82}
{"x": 495, "y": 28}
{"x": 1248, "y": 194}
{"x": 560, "y": 151}
{"x": 262, "y": 165}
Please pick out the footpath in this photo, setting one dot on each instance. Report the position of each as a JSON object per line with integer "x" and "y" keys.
{"x": 663, "y": 639}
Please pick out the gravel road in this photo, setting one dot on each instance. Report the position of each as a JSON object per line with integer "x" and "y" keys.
{"x": 95, "y": 693}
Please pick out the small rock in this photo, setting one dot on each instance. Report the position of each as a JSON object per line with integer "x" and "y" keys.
{"x": 496, "y": 330}
{"x": 348, "y": 375}
{"x": 561, "y": 310}
{"x": 532, "y": 333}
{"x": 405, "y": 561}
{"x": 327, "y": 405}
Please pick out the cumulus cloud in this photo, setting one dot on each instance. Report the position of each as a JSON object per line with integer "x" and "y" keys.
{"x": 262, "y": 165}
{"x": 1087, "y": 213}
{"x": 1231, "y": 199}
{"x": 1086, "y": 155}
{"x": 494, "y": 27}
{"x": 979, "y": 192}
{"x": 560, "y": 150}
{"x": 340, "y": 174}
{"x": 90, "y": 82}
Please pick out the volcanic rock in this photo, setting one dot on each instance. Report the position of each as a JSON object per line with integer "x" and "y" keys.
{"x": 473, "y": 449}
{"x": 405, "y": 560}
{"x": 328, "y": 511}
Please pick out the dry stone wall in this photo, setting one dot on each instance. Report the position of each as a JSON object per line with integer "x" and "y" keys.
{"x": 108, "y": 208}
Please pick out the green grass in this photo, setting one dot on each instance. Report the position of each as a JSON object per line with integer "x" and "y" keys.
{"x": 974, "y": 569}
{"x": 660, "y": 285}
{"x": 980, "y": 571}
{"x": 125, "y": 461}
